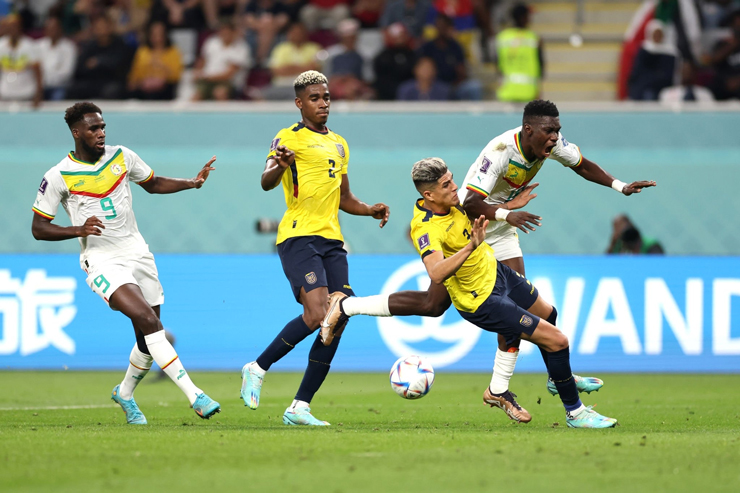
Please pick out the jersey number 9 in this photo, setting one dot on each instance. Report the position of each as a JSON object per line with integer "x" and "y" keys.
{"x": 107, "y": 205}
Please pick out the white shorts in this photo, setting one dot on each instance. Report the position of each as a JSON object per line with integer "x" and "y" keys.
{"x": 107, "y": 276}
{"x": 504, "y": 240}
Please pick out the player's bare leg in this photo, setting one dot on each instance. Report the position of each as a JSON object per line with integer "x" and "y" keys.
{"x": 319, "y": 360}
{"x": 433, "y": 302}
{"x": 555, "y": 343}
{"x": 129, "y": 300}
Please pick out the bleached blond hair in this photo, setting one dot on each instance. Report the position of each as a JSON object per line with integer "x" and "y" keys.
{"x": 427, "y": 172}
{"x": 308, "y": 78}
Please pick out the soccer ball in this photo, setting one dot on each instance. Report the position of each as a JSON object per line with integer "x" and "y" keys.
{"x": 412, "y": 377}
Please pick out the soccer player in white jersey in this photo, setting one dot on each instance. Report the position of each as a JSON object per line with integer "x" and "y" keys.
{"x": 497, "y": 184}
{"x": 92, "y": 184}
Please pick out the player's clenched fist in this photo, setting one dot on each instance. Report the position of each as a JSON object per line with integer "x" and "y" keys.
{"x": 284, "y": 156}
{"x": 92, "y": 226}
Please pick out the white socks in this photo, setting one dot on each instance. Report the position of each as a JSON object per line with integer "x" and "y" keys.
{"x": 298, "y": 404}
{"x": 375, "y": 306}
{"x": 503, "y": 369}
{"x": 166, "y": 357}
{"x": 139, "y": 364}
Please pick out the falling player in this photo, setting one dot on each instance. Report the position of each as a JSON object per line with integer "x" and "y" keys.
{"x": 92, "y": 184}
{"x": 310, "y": 161}
{"x": 497, "y": 184}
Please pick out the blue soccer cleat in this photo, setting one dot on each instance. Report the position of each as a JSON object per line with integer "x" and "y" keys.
{"x": 301, "y": 416}
{"x": 583, "y": 384}
{"x": 252, "y": 378}
{"x": 134, "y": 416}
{"x": 588, "y": 418}
{"x": 205, "y": 407}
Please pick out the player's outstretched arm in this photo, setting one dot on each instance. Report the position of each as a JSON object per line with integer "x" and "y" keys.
{"x": 350, "y": 204}
{"x": 440, "y": 268}
{"x": 276, "y": 166}
{"x": 475, "y": 206}
{"x": 595, "y": 173}
{"x": 163, "y": 184}
{"x": 43, "y": 229}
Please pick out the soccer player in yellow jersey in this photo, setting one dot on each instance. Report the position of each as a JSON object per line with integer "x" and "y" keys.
{"x": 310, "y": 161}
{"x": 485, "y": 292}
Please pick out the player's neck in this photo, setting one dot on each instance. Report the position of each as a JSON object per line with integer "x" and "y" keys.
{"x": 527, "y": 151}
{"x": 87, "y": 156}
{"x": 316, "y": 127}
{"x": 434, "y": 207}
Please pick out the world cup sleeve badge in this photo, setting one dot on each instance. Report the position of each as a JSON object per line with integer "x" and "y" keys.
{"x": 423, "y": 241}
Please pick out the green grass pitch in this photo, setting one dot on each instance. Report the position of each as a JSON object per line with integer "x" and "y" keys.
{"x": 60, "y": 432}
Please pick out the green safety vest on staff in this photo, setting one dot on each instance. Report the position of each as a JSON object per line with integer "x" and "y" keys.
{"x": 519, "y": 62}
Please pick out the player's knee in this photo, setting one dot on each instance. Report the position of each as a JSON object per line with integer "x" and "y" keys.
{"x": 146, "y": 321}
{"x": 431, "y": 309}
{"x": 313, "y": 316}
{"x": 559, "y": 341}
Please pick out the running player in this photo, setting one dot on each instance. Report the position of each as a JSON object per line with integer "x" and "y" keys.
{"x": 497, "y": 184}
{"x": 92, "y": 184}
{"x": 310, "y": 161}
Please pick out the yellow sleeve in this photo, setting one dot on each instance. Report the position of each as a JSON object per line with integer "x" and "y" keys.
{"x": 427, "y": 239}
{"x": 173, "y": 61}
{"x": 346, "y": 157}
{"x": 138, "y": 68}
{"x": 285, "y": 137}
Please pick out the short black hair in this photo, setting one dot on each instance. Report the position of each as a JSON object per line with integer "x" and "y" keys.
{"x": 539, "y": 108}
{"x": 519, "y": 12}
{"x": 77, "y": 112}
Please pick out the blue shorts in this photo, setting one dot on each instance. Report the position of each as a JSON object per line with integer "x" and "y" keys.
{"x": 505, "y": 309}
{"x": 311, "y": 262}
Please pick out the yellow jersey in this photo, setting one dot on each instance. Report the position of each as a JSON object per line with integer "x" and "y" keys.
{"x": 312, "y": 183}
{"x": 449, "y": 233}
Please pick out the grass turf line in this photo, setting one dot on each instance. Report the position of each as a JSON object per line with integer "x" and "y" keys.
{"x": 677, "y": 433}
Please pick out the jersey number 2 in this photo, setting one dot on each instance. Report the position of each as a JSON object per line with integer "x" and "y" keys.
{"x": 107, "y": 205}
{"x": 332, "y": 163}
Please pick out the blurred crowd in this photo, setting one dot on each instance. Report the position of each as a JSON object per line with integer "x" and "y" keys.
{"x": 240, "y": 49}
{"x": 683, "y": 51}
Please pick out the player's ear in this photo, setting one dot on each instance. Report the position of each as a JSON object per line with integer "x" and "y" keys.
{"x": 299, "y": 103}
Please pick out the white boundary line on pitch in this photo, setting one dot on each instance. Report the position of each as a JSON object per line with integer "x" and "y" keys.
{"x": 56, "y": 408}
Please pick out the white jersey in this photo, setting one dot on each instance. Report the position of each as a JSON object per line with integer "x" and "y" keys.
{"x": 501, "y": 171}
{"x": 98, "y": 189}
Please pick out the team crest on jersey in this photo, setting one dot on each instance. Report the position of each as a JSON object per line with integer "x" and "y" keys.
{"x": 42, "y": 187}
{"x": 275, "y": 144}
{"x": 311, "y": 278}
{"x": 340, "y": 149}
{"x": 486, "y": 164}
{"x": 116, "y": 169}
{"x": 526, "y": 321}
{"x": 423, "y": 241}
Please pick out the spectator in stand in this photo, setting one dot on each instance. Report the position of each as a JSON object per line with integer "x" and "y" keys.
{"x": 264, "y": 19}
{"x": 186, "y": 14}
{"x": 102, "y": 66}
{"x": 324, "y": 14}
{"x": 57, "y": 56}
{"x": 20, "y": 71}
{"x": 289, "y": 59}
{"x": 520, "y": 60}
{"x": 725, "y": 58}
{"x": 714, "y": 12}
{"x": 655, "y": 65}
{"x": 395, "y": 64}
{"x": 687, "y": 90}
{"x": 368, "y": 12}
{"x": 345, "y": 65}
{"x": 626, "y": 239}
{"x": 413, "y": 14}
{"x": 449, "y": 60}
{"x": 130, "y": 18}
{"x": 157, "y": 66}
{"x": 425, "y": 86}
{"x": 221, "y": 69}
{"x": 226, "y": 10}
{"x": 72, "y": 20}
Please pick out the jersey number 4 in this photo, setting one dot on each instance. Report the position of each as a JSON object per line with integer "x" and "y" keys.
{"x": 107, "y": 205}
